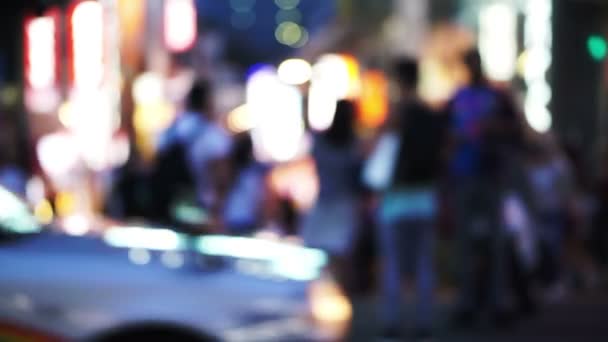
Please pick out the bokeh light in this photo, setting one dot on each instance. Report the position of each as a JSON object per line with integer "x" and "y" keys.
{"x": 64, "y": 114}
{"x": 328, "y": 304}
{"x": 44, "y": 212}
{"x": 58, "y": 154}
{"x": 597, "y": 47}
{"x": 240, "y": 119}
{"x": 15, "y": 215}
{"x": 35, "y": 190}
{"x": 303, "y": 39}
{"x": 65, "y": 203}
{"x": 538, "y": 40}
{"x": 295, "y": 71}
{"x": 322, "y": 102}
{"x": 139, "y": 256}
{"x": 41, "y": 46}
{"x": 180, "y": 24}
{"x": 172, "y": 259}
{"x": 288, "y": 33}
{"x": 497, "y": 40}
{"x": 87, "y": 41}
{"x": 148, "y": 88}
{"x": 76, "y": 225}
{"x": 276, "y": 109}
{"x": 142, "y": 237}
{"x": 373, "y": 103}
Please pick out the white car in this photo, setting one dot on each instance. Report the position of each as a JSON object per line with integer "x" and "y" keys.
{"x": 155, "y": 284}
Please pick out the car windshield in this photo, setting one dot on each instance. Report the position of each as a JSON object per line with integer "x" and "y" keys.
{"x": 15, "y": 216}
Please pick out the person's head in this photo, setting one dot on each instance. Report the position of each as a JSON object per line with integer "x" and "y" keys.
{"x": 407, "y": 75}
{"x": 472, "y": 61}
{"x": 341, "y": 131}
{"x": 199, "y": 97}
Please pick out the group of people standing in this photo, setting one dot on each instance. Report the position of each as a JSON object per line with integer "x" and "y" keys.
{"x": 506, "y": 191}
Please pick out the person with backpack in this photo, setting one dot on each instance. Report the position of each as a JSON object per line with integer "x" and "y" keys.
{"x": 191, "y": 157}
{"x": 410, "y": 156}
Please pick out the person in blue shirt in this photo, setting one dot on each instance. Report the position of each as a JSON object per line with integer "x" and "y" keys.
{"x": 485, "y": 138}
{"x": 245, "y": 208}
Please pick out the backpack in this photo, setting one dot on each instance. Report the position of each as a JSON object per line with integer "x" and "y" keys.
{"x": 172, "y": 180}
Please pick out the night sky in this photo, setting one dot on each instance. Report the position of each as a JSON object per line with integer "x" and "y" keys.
{"x": 258, "y": 43}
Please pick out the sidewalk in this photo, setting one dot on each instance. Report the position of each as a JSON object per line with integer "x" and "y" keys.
{"x": 582, "y": 317}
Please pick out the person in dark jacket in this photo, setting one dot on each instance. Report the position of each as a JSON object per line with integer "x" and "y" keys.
{"x": 408, "y": 205}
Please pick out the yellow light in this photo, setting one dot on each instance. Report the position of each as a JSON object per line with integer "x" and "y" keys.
{"x": 152, "y": 118}
{"x": 9, "y": 95}
{"x": 148, "y": 121}
{"x": 522, "y": 61}
{"x": 303, "y": 39}
{"x": 288, "y": 33}
{"x": 328, "y": 304}
{"x": 65, "y": 114}
{"x": 64, "y": 203}
{"x": 240, "y": 119}
{"x": 373, "y": 103}
{"x": 152, "y": 112}
{"x": 148, "y": 88}
{"x": 44, "y": 212}
{"x": 295, "y": 71}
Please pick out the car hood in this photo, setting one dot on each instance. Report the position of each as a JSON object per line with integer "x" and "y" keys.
{"x": 77, "y": 287}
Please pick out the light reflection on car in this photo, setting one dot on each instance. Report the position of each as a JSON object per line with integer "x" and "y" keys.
{"x": 137, "y": 281}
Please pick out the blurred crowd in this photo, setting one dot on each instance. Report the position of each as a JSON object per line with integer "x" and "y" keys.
{"x": 464, "y": 197}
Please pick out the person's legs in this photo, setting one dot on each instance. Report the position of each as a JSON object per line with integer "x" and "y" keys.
{"x": 467, "y": 266}
{"x": 489, "y": 204}
{"x": 482, "y": 244}
{"x": 425, "y": 272}
{"x": 391, "y": 274}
